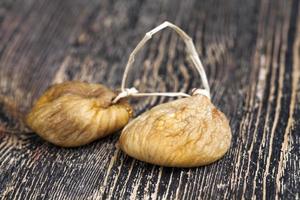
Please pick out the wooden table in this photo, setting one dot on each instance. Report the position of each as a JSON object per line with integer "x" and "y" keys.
{"x": 251, "y": 52}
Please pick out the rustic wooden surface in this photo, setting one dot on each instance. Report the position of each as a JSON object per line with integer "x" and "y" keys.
{"x": 251, "y": 51}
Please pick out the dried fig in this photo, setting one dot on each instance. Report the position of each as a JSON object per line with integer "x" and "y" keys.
{"x": 75, "y": 113}
{"x": 187, "y": 132}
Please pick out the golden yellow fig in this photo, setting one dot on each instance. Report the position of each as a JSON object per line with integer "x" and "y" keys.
{"x": 188, "y": 132}
{"x": 75, "y": 113}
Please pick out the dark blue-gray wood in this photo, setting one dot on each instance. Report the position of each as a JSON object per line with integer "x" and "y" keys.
{"x": 251, "y": 52}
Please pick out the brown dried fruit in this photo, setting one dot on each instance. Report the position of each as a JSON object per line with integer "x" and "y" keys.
{"x": 188, "y": 132}
{"x": 74, "y": 113}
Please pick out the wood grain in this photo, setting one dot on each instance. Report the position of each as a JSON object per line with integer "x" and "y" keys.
{"x": 251, "y": 52}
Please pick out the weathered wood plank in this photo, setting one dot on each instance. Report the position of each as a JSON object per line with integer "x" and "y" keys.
{"x": 251, "y": 52}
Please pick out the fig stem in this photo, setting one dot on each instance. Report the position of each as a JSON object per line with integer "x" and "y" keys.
{"x": 191, "y": 53}
{"x": 135, "y": 93}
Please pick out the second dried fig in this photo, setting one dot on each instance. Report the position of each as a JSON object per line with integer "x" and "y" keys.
{"x": 188, "y": 132}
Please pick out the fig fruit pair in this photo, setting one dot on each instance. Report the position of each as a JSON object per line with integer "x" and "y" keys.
{"x": 187, "y": 132}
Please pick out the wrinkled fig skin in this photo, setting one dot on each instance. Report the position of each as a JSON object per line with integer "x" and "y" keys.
{"x": 188, "y": 132}
{"x": 74, "y": 113}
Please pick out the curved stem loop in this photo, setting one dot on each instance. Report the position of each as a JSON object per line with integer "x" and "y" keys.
{"x": 191, "y": 53}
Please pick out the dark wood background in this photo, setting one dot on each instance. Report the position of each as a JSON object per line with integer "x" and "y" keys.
{"x": 251, "y": 52}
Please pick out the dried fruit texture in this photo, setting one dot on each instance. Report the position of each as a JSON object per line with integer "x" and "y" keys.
{"x": 75, "y": 113}
{"x": 188, "y": 132}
